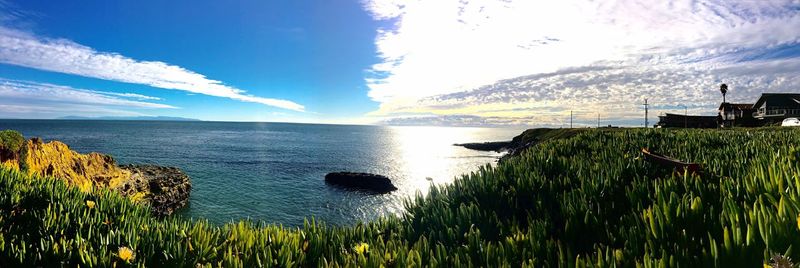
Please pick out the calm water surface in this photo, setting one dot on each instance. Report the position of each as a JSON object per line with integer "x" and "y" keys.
{"x": 275, "y": 171}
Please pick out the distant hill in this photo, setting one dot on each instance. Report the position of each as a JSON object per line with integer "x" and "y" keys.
{"x": 132, "y": 118}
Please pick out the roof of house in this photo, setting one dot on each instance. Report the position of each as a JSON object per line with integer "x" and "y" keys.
{"x": 737, "y": 106}
{"x": 671, "y": 115}
{"x": 779, "y": 99}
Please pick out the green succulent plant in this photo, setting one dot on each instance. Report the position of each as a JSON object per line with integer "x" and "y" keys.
{"x": 584, "y": 200}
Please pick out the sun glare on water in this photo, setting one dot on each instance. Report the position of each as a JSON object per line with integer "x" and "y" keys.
{"x": 420, "y": 156}
{"x": 427, "y": 155}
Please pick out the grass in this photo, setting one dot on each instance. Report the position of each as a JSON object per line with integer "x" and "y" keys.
{"x": 586, "y": 200}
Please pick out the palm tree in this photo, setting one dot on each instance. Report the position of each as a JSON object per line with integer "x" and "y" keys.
{"x": 724, "y": 89}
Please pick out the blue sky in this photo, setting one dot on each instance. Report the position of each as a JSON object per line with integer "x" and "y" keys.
{"x": 314, "y": 53}
{"x": 448, "y": 62}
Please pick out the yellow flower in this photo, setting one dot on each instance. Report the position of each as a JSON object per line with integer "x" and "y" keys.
{"x": 125, "y": 254}
{"x": 90, "y": 203}
{"x": 362, "y": 248}
{"x": 767, "y": 266}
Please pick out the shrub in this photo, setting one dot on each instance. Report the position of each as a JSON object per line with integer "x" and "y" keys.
{"x": 11, "y": 140}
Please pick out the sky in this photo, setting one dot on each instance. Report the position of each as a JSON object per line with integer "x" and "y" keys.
{"x": 397, "y": 62}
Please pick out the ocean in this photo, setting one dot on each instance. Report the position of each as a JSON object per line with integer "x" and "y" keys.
{"x": 274, "y": 172}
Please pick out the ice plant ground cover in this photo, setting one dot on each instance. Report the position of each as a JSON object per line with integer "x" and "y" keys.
{"x": 587, "y": 200}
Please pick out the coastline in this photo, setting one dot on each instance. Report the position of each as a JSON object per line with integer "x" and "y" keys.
{"x": 557, "y": 202}
{"x": 163, "y": 189}
{"x": 523, "y": 141}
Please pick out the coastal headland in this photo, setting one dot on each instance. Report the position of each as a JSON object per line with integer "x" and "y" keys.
{"x": 164, "y": 189}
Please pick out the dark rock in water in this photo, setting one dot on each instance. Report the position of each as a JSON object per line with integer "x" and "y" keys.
{"x": 166, "y": 189}
{"x": 361, "y": 181}
{"x": 497, "y": 146}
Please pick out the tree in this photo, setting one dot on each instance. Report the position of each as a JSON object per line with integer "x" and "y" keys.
{"x": 724, "y": 89}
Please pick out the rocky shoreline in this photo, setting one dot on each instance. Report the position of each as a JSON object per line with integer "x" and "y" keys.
{"x": 497, "y": 146}
{"x": 521, "y": 142}
{"x": 164, "y": 189}
{"x": 512, "y": 148}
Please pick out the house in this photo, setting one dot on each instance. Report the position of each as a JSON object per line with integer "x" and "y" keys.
{"x": 736, "y": 114}
{"x": 774, "y": 107}
{"x": 769, "y": 109}
{"x": 686, "y": 121}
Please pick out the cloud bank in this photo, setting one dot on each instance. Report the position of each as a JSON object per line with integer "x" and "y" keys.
{"x": 534, "y": 61}
{"x": 64, "y": 56}
{"x": 41, "y": 100}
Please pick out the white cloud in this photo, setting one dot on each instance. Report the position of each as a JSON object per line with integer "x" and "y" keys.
{"x": 454, "y": 57}
{"x": 130, "y": 95}
{"x": 42, "y": 100}
{"x": 464, "y": 121}
{"x": 614, "y": 91}
{"x": 60, "y": 55}
{"x": 12, "y": 111}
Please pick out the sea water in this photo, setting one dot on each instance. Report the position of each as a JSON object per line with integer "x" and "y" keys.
{"x": 274, "y": 172}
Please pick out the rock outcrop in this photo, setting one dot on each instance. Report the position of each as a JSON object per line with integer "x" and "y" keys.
{"x": 497, "y": 146}
{"x": 85, "y": 171}
{"x": 361, "y": 181}
{"x": 522, "y": 142}
{"x": 165, "y": 189}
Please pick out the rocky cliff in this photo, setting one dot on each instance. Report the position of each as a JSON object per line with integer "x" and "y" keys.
{"x": 85, "y": 171}
{"x": 164, "y": 189}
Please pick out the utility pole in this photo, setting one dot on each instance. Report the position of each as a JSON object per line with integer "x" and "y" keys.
{"x": 598, "y": 120}
{"x": 570, "y": 118}
{"x": 645, "y": 113}
{"x": 685, "y": 117}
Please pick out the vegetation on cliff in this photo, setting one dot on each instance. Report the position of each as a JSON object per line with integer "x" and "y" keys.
{"x": 588, "y": 200}
{"x": 11, "y": 141}
{"x": 10, "y": 145}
